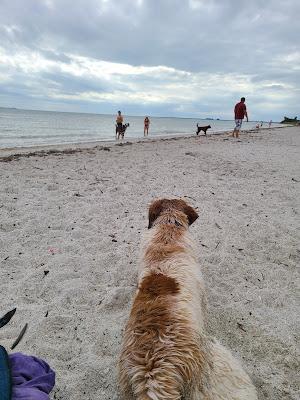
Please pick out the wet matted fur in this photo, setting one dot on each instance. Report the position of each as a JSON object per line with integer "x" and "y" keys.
{"x": 166, "y": 354}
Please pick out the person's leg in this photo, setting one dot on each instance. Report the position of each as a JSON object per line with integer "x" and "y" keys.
{"x": 119, "y": 130}
{"x": 236, "y": 131}
{"x": 240, "y": 127}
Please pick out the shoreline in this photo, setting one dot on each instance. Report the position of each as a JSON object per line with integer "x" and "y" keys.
{"x": 80, "y": 146}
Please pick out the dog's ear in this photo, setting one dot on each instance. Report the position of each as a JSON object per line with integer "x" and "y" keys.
{"x": 190, "y": 213}
{"x": 154, "y": 210}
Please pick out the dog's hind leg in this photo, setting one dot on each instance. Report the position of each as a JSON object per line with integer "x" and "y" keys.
{"x": 228, "y": 379}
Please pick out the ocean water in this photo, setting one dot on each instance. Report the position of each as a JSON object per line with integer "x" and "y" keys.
{"x": 24, "y": 128}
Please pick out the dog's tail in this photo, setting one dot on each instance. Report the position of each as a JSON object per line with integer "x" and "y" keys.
{"x": 163, "y": 382}
{"x": 152, "y": 383}
{"x": 153, "y": 393}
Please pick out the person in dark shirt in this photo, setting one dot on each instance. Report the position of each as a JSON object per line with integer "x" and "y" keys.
{"x": 240, "y": 111}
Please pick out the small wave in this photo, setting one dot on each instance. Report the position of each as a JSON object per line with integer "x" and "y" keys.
{"x": 49, "y": 137}
{"x": 171, "y": 132}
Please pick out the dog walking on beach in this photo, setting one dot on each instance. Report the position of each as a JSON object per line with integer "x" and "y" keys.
{"x": 202, "y": 128}
{"x": 166, "y": 353}
{"x": 120, "y": 130}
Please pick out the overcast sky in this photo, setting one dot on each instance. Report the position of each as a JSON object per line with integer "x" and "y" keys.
{"x": 191, "y": 58}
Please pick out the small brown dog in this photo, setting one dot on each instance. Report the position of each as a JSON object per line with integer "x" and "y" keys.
{"x": 167, "y": 354}
{"x": 202, "y": 128}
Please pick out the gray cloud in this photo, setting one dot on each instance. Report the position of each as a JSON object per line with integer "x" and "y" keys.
{"x": 169, "y": 32}
{"x": 253, "y": 41}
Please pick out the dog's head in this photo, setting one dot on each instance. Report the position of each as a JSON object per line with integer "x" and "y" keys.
{"x": 161, "y": 206}
{"x": 208, "y": 127}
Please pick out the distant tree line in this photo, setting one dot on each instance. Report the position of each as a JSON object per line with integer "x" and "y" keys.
{"x": 287, "y": 120}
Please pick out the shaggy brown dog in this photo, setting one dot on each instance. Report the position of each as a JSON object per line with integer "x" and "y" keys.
{"x": 166, "y": 353}
{"x": 202, "y": 128}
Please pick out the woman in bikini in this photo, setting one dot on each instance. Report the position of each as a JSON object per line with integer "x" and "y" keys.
{"x": 146, "y": 126}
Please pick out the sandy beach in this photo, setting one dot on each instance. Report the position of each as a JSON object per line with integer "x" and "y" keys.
{"x": 70, "y": 230}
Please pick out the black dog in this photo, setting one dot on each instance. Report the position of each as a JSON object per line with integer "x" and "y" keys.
{"x": 120, "y": 130}
{"x": 202, "y": 128}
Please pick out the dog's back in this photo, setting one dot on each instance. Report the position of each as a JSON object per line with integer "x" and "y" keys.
{"x": 166, "y": 353}
{"x": 163, "y": 351}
